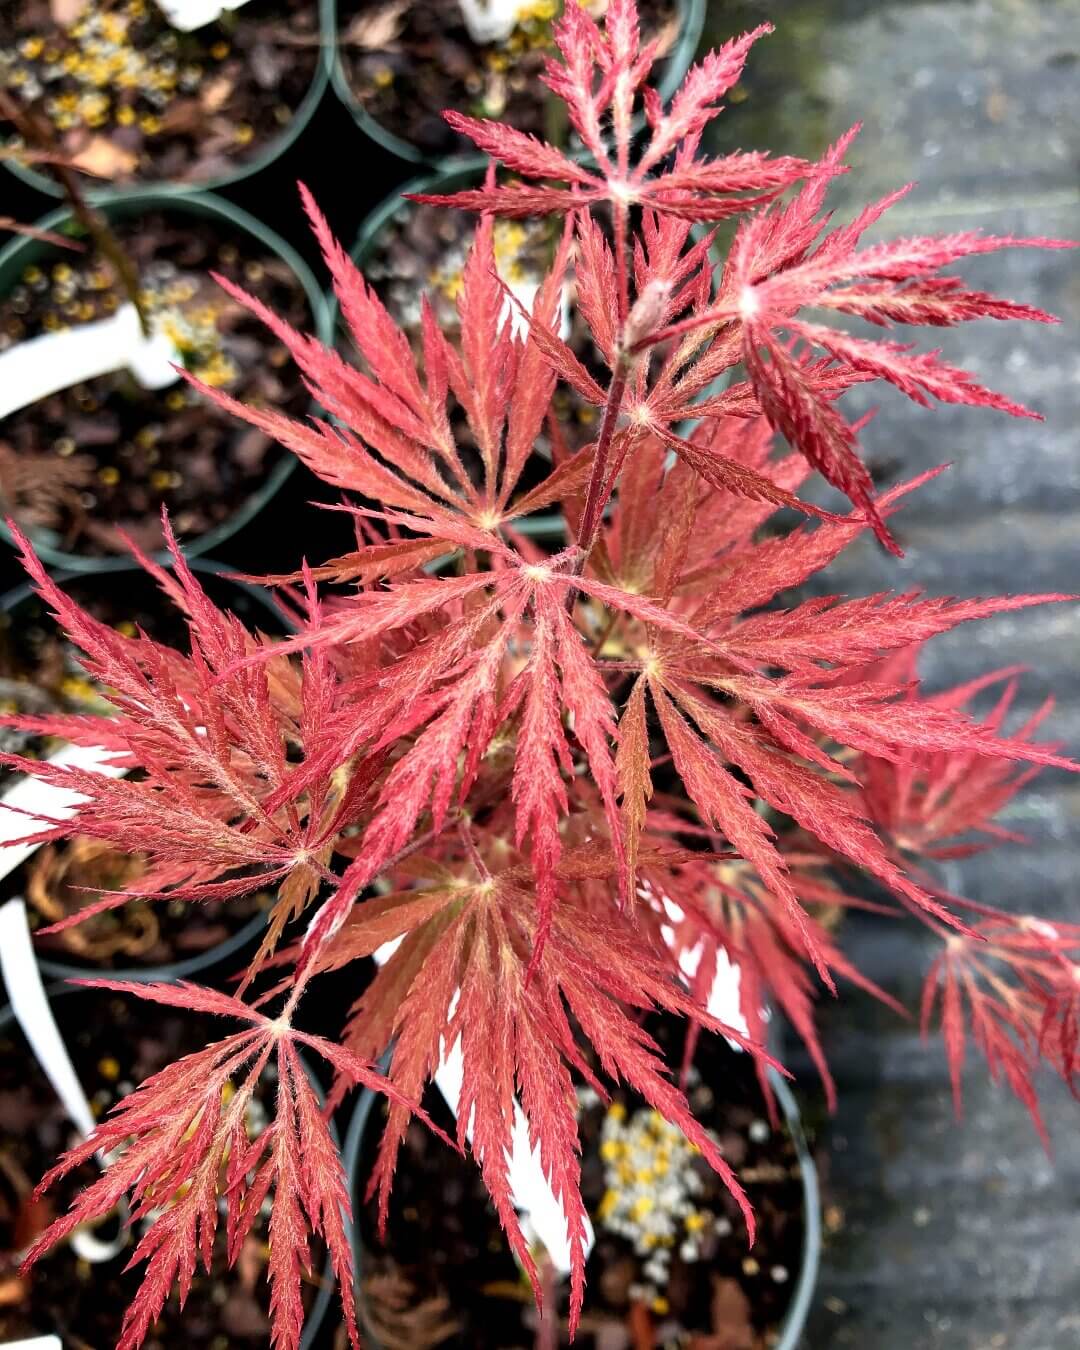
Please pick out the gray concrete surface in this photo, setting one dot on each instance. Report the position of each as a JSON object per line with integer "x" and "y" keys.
{"x": 961, "y": 1238}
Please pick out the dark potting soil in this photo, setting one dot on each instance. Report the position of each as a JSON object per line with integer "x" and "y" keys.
{"x": 407, "y": 60}
{"x": 106, "y": 455}
{"x": 445, "y": 1275}
{"x": 134, "y": 100}
{"x": 40, "y": 672}
{"x": 115, "y": 1043}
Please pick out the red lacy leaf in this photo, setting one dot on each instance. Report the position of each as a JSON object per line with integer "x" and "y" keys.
{"x": 170, "y": 1141}
{"x": 510, "y": 1012}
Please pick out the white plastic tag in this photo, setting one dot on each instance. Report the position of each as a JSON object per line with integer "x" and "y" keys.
{"x": 525, "y": 293}
{"x": 30, "y": 1004}
{"x": 187, "y": 15}
{"x": 35, "y": 1343}
{"x": 490, "y": 20}
{"x": 723, "y": 1001}
{"x": 31, "y": 1008}
{"x": 32, "y": 370}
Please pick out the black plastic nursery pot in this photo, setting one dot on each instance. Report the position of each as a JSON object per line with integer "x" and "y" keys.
{"x": 202, "y": 940}
{"x": 691, "y": 15}
{"x": 365, "y": 1126}
{"x": 107, "y": 1036}
{"x": 272, "y": 148}
{"x": 253, "y": 239}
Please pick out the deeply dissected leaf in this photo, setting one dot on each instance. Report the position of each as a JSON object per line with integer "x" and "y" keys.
{"x": 179, "y": 1146}
{"x": 468, "y": 969}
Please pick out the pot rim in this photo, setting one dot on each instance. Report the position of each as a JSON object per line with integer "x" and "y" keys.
{"x": 20, "y": 250}
{"x": 321, "y": 1306}
{"x": 677, "y": 64}
{"x": 794, "y": 1320}
{"x": 170, "y": 971}
{"x": 102, "y": 194}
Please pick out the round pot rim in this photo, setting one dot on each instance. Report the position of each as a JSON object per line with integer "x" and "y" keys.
{"x": 802, "y": 1297}
{"x": 207, "y": 205}
{"x": 325, "y": 1293}
{"x": 101, "y": 193}
{"x": 170, "y": 971}
{"x": 677, "y": 64}
{"x": 793, "y": 1322}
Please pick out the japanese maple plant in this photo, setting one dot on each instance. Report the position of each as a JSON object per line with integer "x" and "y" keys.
{"x": 553, "y": 771}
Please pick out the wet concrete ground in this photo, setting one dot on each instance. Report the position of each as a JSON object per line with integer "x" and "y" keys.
{"x": 966, "y": 1238}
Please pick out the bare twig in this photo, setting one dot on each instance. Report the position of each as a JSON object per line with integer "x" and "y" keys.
{"x": 38, "y": 136}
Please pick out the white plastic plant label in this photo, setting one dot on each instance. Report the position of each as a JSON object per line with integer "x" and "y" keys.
{"x": 38, "y": 802}
{"x": 30, "y": 1004}
{"x": 187, "y": 15}
{"x": 32, "y": 370}
{"x": 541, "y": 1211}
{"x": 723, "y": 1002}
{"x": 34, "y": 1343}
{"x": 489, "y": 20}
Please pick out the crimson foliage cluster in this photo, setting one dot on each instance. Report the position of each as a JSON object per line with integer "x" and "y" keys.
{"x": 526, "y": 762}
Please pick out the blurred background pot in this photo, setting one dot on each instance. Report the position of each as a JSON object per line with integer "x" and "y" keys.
{"x": 230, "y": 240}
{"x": 431, "y": 142}
{"x": 201, "y": 69}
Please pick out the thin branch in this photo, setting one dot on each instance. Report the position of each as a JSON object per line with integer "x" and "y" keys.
{"x": 93, "y": 221}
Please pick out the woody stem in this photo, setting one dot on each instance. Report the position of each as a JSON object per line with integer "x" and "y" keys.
{"x": 622, "y": 265}
{"x": 89, "y": 217}
{"x": 602, "y": 482}
{"x": 599, "y": 488}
